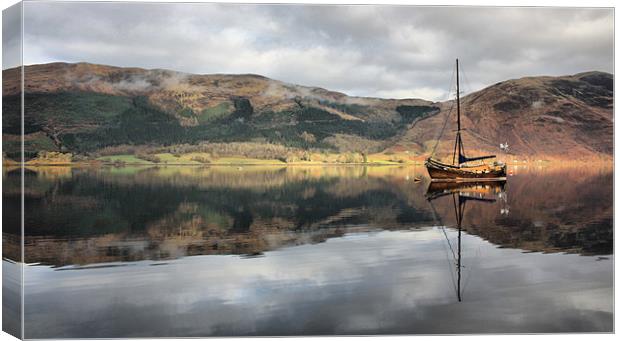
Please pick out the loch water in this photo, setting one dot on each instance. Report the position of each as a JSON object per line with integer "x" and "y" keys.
{"x": 315, "y": 250}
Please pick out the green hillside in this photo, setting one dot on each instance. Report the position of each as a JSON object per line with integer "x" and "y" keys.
{"x": 85, "y": 122}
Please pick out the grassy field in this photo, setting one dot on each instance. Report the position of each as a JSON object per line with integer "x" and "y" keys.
{"x": 206, "y": 159}
{"x": 213, "y": 113}
{"x": 129, "y": 159}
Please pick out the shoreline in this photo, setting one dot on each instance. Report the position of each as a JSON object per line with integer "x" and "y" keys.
{"x": 284, "y": 164}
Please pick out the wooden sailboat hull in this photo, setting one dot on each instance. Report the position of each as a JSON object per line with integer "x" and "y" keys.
{"x": 439, "y": 171}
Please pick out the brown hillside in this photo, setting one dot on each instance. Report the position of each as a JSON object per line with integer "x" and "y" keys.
{"x": 540, "y": 118}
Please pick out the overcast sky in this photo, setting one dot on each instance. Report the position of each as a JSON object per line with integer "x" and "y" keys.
{"x": 380, "y": 51}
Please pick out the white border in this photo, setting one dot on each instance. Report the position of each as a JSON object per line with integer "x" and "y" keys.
{"x": 519, "y": 3}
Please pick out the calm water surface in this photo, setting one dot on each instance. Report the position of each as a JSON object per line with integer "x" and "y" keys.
{"x": 182, "y": 251}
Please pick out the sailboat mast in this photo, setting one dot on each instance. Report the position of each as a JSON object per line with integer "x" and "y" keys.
{"x": 458, "y": 100}
{"x": 458, "y": 144}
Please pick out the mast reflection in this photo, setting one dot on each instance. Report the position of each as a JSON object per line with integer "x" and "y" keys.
{"x": 461, "y": 193}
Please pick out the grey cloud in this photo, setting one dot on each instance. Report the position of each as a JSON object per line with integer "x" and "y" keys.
{"x": 386, "y": 51}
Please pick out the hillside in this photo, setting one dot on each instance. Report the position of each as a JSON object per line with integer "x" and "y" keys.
{"x": 568, "y": 117}
{"x": 85, "y": 108}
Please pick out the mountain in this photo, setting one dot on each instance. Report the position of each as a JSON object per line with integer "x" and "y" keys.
{"x": 85, "y": 108}
{"x": 569, "y": 117}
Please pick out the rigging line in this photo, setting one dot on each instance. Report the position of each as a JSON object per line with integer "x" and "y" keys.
{"x": 445, "y": 123}
{"x": 443, "y": 128}
{"x": 468, "y": 87}
{"x": 442, "y": 227}
{"x": 434, "y": 212}
{"x": 451, "y": 84}
{"x": 450, "y": 266}
{"x": 470, "y": 271}
{"x": 449, "y": 244}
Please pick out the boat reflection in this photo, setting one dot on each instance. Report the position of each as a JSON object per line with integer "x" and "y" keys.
{"x": 467, "y": 189}
{"x": 461, "y": 193}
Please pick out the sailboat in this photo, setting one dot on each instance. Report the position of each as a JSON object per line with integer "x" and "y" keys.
{"x": 460, "y": 169}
